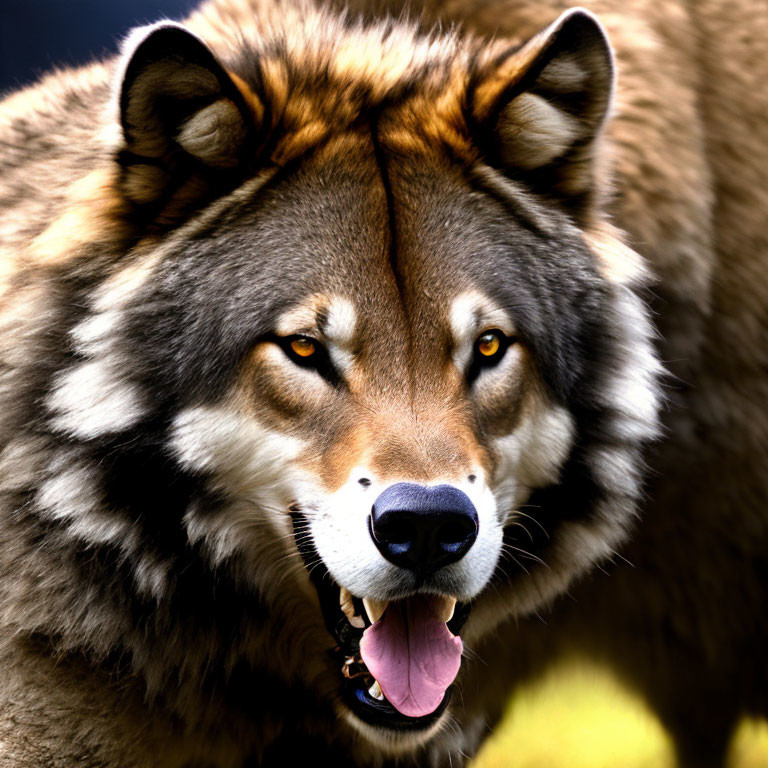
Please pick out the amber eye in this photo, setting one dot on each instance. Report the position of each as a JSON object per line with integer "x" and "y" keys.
{"x": 489, "y": 344}
{"x": 303, "y": 346}
{"x": 490, "y": 348}
{"x": 308, "y": 353}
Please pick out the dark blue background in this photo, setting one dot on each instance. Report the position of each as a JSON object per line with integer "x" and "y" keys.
{"x": 35, "y": 35}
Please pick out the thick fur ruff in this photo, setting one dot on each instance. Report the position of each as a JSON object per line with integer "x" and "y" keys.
{"x": 248, "y": 269}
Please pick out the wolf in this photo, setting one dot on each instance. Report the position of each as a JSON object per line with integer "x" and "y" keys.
{"x": 339, "y": 340}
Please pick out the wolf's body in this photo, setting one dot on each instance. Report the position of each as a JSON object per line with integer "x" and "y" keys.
{"x": 155, "y": 609}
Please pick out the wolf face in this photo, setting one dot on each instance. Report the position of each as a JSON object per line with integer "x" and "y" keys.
{"x": 372, "y": 351}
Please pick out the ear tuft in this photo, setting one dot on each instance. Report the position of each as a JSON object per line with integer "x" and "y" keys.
{"x": 183, "y": 117}
{"x": 214, "y": 135}
{"x": 532, "y": 132}
{"x": 541, "y": 109}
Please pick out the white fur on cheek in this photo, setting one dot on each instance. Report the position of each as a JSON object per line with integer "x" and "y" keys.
{"x": 532, "y": 456}
{"x": 94, "y": 399}
{"x": 628, "y": 388}
{"x": 251, "y": 464}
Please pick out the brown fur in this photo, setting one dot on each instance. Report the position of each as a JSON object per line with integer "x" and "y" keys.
{"x": 682, "y": 168}
{"x": 688, "y": 151}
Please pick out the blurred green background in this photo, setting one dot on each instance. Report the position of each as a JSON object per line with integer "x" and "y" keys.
{"x": 579, "y": 716}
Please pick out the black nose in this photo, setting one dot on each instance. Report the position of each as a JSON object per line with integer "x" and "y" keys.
{"x": 423, "y": 528}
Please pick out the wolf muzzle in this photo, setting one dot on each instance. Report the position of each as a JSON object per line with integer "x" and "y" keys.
{"x": 423, "y": 528}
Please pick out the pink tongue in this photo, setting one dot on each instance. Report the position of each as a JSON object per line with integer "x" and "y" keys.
{"x": 413, "y": 655}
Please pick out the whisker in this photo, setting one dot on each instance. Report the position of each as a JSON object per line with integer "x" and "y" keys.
{"x": 506, "y": 547}
{"x": 532, "y": 519}
{"x": 518, "y": 563}
{"x": 520, "y": 525}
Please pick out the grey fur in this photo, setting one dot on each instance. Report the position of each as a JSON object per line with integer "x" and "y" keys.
{"x": 155, "y": 610}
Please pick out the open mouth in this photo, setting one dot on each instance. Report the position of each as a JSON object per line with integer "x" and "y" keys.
{"x": 397, "y": 658}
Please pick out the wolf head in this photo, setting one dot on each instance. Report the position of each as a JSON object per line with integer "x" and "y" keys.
{"x": 369, "y": 349}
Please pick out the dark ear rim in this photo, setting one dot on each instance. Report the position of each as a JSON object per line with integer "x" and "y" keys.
{"x": 567, "y": 33}
{"x": 153, "y": 43}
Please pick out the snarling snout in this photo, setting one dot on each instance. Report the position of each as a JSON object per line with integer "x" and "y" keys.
{"x": 396, "y": 565}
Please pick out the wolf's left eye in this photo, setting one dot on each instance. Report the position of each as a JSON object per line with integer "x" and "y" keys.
{"x": 490, "y": 347}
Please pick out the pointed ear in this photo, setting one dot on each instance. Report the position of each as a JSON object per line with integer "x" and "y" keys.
{"x": 187, "y": 125}
{"x": 540, "y": 109}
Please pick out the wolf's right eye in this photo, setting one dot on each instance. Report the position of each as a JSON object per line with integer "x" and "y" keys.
{"x": 303, "y": 347}
{"x": 307, "y": 352}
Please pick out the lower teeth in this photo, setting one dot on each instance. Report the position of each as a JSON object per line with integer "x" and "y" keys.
{"x": 375, "y": 691}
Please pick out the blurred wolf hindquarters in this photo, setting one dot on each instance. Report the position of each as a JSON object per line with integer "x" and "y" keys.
{"x": 321, "y": 359}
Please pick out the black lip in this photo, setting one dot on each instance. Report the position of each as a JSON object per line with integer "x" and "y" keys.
{"x": 355, "y": 690}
